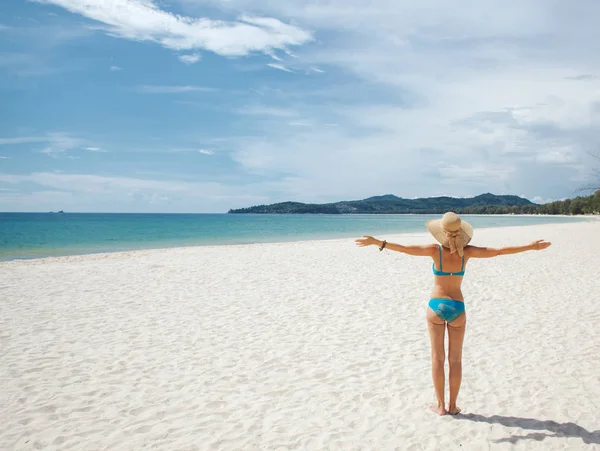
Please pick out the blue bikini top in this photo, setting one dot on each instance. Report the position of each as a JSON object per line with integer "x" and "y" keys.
{"x": 442, "y": 273}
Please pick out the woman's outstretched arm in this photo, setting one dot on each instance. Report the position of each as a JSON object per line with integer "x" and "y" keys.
{"x": 420, "y": 251}
{"x": 488, "y": 252}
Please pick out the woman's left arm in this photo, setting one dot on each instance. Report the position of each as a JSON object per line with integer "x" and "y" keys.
{"x": 419, "y": 251}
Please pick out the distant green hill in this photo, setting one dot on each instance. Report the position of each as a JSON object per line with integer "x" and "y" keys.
{"x": 390, "y": 204}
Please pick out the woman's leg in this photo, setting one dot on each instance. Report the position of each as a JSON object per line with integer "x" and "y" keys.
{"x": 437, "y": 330}
{"x": 456, "y": 334}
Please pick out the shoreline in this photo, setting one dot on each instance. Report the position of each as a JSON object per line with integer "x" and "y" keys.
{"x": 102, "y": 254}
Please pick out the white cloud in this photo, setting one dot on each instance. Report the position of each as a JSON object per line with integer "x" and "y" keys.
{"x": 164, "y": 89}
{"x": 395, "y": 155}
{"x": 87, "y": 192}
{"x": 583, "y": 77}
{"x": 274, "y": 56}
{"x": 115, "y": 68}
{"x": 23, "y": 140}
{"x": 54, "y": 144}
{"x": 511, "y": 102}
{"x": 557, "y": 155}
{"x": 3, "y": 158}
{"x": 202, "y": 151}
{"x": 316, "y": 69}
{"x": 92, "y": 183}
{"x": 542, "y": 200}
{"x": 190, "y": 59}
{"x": 59, "y": 143}
{"x": 467, "y": 173}
{"x": 143, "y": 20}
{"x": 279, "y": 66}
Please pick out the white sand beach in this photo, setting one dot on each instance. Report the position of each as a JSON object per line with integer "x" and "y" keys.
{"x": 317, "y": 345}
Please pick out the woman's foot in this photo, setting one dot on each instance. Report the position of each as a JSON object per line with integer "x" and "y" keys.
{"x": 453, "y": 410}
{"x": 437, "y": 408}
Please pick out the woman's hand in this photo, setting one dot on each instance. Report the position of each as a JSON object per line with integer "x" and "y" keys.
{"x": 539, "y": 245}
{"x": 366, "y": 241}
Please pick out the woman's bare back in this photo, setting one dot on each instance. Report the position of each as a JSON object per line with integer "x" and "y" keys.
{"x": 448, "y": 286}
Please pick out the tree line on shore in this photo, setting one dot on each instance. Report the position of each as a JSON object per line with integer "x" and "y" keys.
{"x": 580, "y": 205}
{"x": 484, "y": 204}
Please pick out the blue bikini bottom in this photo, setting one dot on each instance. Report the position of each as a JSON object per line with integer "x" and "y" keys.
{"x": 447, "y": 309}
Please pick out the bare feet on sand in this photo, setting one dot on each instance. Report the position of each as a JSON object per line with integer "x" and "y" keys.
{"x": 439, "y": 409}
{"x": 453, "y": 410}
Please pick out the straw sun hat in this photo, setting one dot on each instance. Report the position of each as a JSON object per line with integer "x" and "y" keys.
{"x": 451, "y": 232}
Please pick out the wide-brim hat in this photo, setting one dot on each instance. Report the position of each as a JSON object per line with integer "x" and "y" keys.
{"x": 451, "y": 231}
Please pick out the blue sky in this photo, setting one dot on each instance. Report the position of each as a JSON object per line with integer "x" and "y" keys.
{"x": 203, "y": 106}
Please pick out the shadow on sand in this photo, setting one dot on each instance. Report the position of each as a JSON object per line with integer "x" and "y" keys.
{"x": 556, "y": 429}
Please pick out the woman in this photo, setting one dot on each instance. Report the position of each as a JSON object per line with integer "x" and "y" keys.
{"x": 446, "y": 306}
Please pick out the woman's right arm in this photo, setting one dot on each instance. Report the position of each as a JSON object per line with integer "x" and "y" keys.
{"x": 427, "y": 250}
{"x": 488, "y": 252}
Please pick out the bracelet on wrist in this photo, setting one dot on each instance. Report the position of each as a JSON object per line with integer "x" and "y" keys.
{"x": 383, "y": 243}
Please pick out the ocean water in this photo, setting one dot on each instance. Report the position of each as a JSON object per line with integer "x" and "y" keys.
{"x": 35, "y": 235}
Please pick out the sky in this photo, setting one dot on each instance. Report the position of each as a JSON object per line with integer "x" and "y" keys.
{"x": 208, "y": 105}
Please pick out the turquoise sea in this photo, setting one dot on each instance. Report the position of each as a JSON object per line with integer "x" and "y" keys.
{"x": 34, "y": 235}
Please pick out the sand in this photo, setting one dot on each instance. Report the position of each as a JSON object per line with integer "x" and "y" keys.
{"x": 317, "y": 345}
